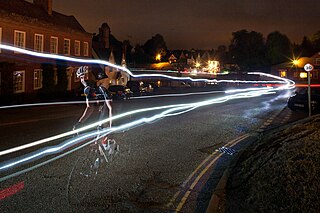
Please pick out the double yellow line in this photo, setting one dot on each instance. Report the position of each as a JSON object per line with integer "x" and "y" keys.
{"x": 212, "y": 158}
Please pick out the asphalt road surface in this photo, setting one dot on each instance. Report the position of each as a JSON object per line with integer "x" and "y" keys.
{"x": 157, "y": 161}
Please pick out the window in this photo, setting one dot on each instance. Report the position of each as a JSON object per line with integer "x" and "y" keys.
{"x": 85, "y": 48}
{"x": 316, "y": 61}
{"x": 37, "y": 79}
{"x": 19, "y": 39}
{"x": 0, "y": 37}
{"x": 66, "y": 46}
{"x": 38, "y": 42}
{"x": 283, "y": 74}
{"x": 77, "y": 48}
{"x": 53, "y": 45}
{"x": 18, "y": 81}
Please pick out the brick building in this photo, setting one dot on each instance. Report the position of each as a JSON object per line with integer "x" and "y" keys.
{"x": 35, "y": 26}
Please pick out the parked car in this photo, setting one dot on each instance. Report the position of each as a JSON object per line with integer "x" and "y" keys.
{"x": 299, "y": 101}
{"x": 120, "y": 92}
{"x": 140, "y": 88}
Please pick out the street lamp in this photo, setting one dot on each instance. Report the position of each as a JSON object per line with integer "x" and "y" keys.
{"x": 158, "y": 57}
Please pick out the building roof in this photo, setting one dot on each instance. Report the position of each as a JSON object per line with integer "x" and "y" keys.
{"x": 26, "y": 12}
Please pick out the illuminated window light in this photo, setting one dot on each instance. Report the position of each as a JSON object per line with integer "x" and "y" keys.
{"x": 303, "y": 75}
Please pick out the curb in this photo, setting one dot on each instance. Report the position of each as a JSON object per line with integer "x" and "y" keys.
{"x": 217, "y": 201}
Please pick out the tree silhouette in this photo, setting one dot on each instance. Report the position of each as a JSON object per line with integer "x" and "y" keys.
{"x": 247, "y": 49}
{"x": 155, "y": 45}
{"x": 278, "y": 48}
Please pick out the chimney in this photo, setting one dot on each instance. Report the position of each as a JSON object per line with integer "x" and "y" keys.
{"x": 45, "y": 4}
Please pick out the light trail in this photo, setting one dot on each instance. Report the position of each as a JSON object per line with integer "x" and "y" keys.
{"x": 90, "y": 126}
{"x": 44, "y": 104}
{"x": 170, "y": 111}
{"x": 83, "y": 102}
{"x": 176, "y": 95}
{"x": 106, "y": 63}
{"x": 87, "y": 127}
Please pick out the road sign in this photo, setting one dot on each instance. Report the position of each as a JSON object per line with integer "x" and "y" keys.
{"x": 308, "y": 67}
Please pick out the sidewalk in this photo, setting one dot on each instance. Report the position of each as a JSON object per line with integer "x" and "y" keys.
{"x": 278, "y": 173}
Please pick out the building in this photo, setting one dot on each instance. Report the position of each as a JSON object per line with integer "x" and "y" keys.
{"x": 294, "y": 70}
{"x": 36, "y": 26}
{"x": 106, "y": 47}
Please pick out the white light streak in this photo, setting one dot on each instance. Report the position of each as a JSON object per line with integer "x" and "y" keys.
{"x": 106, "y": 63}
{"x": 169, "y": 110}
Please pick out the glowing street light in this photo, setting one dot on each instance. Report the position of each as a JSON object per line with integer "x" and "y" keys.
{"x": 158, "y": 57}
{"x": 295, "y": 62}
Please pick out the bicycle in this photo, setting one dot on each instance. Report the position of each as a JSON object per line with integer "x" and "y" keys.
{"x": 86, "y": 168}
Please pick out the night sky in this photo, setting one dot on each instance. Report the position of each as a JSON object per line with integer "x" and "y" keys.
{"x": 199, "y": 24}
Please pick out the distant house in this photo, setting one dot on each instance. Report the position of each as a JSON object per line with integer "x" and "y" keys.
{"x": 35, "y": 26}
{"x": 106, "y": 47}
{"x": 296, "y": 72}
{"x": 172, "y": 59}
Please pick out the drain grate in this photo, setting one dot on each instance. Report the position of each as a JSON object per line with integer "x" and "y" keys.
{"x": 227, "y": 150}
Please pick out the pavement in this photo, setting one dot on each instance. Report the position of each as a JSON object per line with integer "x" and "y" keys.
{"x": 276, "y": 172}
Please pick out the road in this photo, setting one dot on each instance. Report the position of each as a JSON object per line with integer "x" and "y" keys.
{"x": 160, "y": 159}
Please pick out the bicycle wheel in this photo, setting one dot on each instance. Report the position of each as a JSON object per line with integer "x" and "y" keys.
{"x": 83, "y": 175}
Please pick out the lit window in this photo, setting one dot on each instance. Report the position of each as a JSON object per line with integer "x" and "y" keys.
{"x": 19, "y": 39}
{"x": 18, "y": 81}
{"x": 77, "y": 48}
{"x": 37, "y": 79}
{"x": 85, "y": 48}
{"x": 316, "y": 61}
{"x": 283, "y": 74}
{"x": 303, "y": 75}
{"x": 66, "y": 46}
{"x": 53, "y": 45}
{"x": 38, "y": 42}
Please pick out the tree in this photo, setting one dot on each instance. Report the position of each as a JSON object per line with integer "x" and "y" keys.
{"x": 155, "y": 45}
{"x": 278, "y": 48}
{"x": 315, "y": 39}
{"x": 306, "y": 48}
{"x": 139, "y": 56}
{"x": 247, "y": 49}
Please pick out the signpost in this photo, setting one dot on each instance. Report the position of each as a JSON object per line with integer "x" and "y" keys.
{"x": 308, "y": 68}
